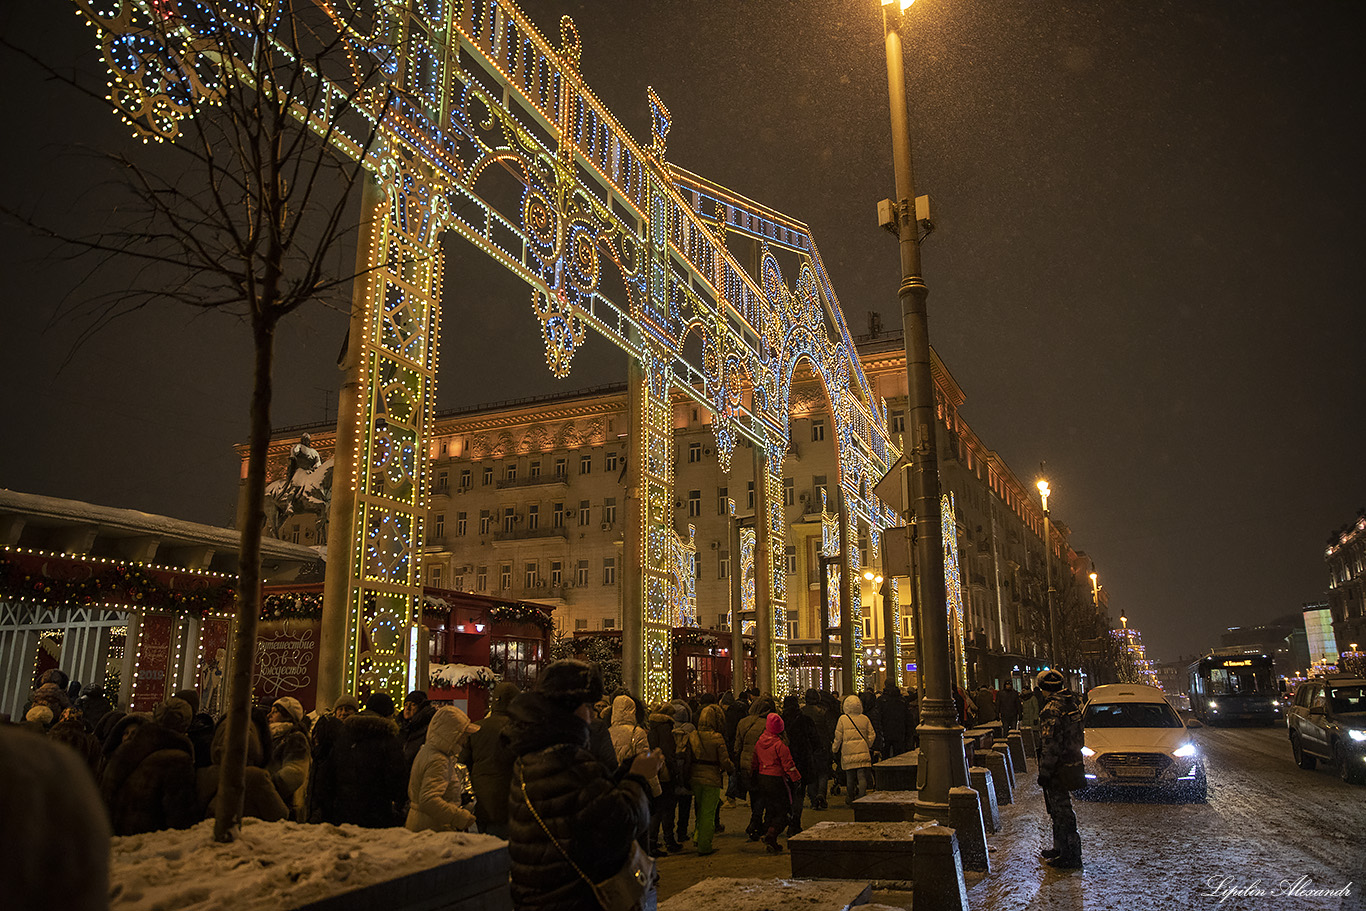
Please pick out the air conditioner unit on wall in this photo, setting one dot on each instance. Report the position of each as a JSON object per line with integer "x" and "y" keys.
{"x": 606, "y": 526}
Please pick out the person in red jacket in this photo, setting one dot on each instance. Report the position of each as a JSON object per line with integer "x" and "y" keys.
{"x": 774, "y": 769}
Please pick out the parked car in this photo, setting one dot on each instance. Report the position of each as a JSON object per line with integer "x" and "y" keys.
{"x": 1327, "y": 721}
{"x": 1135, "y": 741}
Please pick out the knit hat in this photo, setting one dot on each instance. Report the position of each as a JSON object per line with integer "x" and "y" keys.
{"x": 291, "y": 707}
{"x": 346, "y": 700}
{"x": 174, "y": 714}
{"x": 191, "y": 697}
{"x": 381, "y": 703}
{"x": 1050, "y": 681}
{"x": 417, "y": 698}
{"x": 774, "y": 724}
{"x": 40, "y": 713}
{"x": 571, "y": 682}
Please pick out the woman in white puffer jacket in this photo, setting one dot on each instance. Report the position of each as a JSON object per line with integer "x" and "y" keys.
{"x": 854, "y": 742}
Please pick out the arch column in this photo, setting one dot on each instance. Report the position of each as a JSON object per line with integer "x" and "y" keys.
{"x": 375, "y": 528}
{"x": 770, "y": 571}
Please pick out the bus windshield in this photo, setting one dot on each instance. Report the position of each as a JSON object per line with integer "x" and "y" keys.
{"x": 1233, "y": 681}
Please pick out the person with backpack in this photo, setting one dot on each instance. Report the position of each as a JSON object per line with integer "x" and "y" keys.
{"x": 1060, "y": 767}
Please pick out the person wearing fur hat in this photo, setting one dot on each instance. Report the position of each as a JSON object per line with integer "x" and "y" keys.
{"x": 38, "y": 719}
{"x": 777, "y": 777}
{"x": 436, "y": 786}
{"x": 571, "y": 819}
{"x": 380, "y": 703}
{"x": 290, "y": 752}
{"x": 489, "y": 758}
{"x": 149, "y": 781}
{"x": 261, "y": 799}
{"x": 361, "y": 777}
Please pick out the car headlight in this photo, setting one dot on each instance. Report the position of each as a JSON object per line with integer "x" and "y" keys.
{"x": 1276, "y": 703}
{"x": 1354, "y": 734}
{"x": 1214, "y": 705}
{"x": 1185, "y": 751}
{"x": 1088, "y": 752}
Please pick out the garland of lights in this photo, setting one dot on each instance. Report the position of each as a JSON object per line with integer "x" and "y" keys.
{"x": 120, "y": 585}
{"x": 521, "y": 613}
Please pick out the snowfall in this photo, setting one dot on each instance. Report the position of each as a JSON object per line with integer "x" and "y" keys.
{"x": 273, "y": 865}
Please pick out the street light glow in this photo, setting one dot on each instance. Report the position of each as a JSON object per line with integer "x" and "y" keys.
{"x": 904, "y": 3}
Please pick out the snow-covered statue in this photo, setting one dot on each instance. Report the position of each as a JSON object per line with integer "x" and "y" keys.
{"x": 305, "y": 488}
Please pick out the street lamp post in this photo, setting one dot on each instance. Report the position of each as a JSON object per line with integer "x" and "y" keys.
{"x": 941, "y": 737}
{"x": 1055, "y": 653}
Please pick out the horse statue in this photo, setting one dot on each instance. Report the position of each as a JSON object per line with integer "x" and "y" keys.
{"x": 304, "y": 490}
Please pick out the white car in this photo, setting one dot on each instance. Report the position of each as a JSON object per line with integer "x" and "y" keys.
{"x": 1136, "y": 741}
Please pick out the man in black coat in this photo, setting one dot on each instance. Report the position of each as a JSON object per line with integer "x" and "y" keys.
{"x": 489, "y": 758}
{"x": 821, "y": 758}
{"x": 892, "y": 713}
{"x": 149, "y": 782}
{"x": 804, "y": 741}
{"x": 571, "y": 821}
{"x": 364, "y": 780}
{"x": 417, "y": 714}
{"x": 736, "y": 709}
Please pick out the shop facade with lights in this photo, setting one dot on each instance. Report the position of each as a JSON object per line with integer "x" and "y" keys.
{"x": 1345, "y": 559}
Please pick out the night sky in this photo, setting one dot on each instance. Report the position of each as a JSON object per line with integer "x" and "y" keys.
{"x": 1144, "y": 273}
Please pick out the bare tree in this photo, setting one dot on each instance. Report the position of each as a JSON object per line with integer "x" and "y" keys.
{"x": 270, "y": 112}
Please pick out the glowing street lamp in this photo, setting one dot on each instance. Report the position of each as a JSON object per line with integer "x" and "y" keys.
{"x": 1054, "y": 652}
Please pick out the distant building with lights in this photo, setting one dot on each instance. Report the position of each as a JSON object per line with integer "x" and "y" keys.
{"x": 1346, "y": 559}
{"x": 1319, "y": 637}
{"x": 527, "y": 501}
{"x": 1131, "y": 640}
{"x": 1282, "y": 638}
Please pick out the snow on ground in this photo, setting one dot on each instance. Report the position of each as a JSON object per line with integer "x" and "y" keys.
{"x": 725, "y": 894}
{"x": 273, "y": 865}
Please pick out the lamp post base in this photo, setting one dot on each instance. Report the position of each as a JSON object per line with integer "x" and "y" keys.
{"x": 944, "y": 766}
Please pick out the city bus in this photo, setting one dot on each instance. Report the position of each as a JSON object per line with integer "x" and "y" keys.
{"x": 1227, "y": 688}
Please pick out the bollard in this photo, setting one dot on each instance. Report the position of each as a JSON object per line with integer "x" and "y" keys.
{"x": 937, "y": 870}
{"x": 980, "y": 779}
{"x": 1015, "y": 744}
{"x": 1002, "y": 775}
{"x": 1031, "y": 742}
{"x": 965, "y": 816}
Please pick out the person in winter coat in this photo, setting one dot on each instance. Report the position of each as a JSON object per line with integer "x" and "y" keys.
{"x": 711, "y": 758}
{"x": 366, "y": 778}
{"x": 290, "y": 752}
{"x": 629, "y": 738}
{"x": 149, "y": 782}
{"x": 417, "y": 714}
{"x": 489, "y": 758}
{"x": 892, "y": 714}
{"x": 804, "y": 741}
{"x": 661, "y": 738}
{"x": 1031, "y": 706}
{"x": 821, "y": 759}
{"x": 73, "y": 731}
{"x": 986, "y": 704}
{"x": 94, "y": 703}
{"x": 854, "y": 737}
{"x": 747, "y": 734}
{"x": 1059, "y": 760}
{"x": 777, "y": 777}
{"x": 735, "y": 709}
{"x": 683, "y": 757}
{"x": 261, "y": 800}
{"x": 1008, "y": 706}
{"x": 571, "y": 820}
{"x": 435, "y": 787}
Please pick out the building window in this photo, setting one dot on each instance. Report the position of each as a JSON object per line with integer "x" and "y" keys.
{"x": 817, "y": 431}
{"x": 791, "y": 560}
{"x": 443, "y": 481}
{"x": 434, "y": 575}
{"x": 462, "y": 524}
{"x": 581, "y": 575}
{"x": 561, "y": 468}
{"x": 722, "y": 495}
{"x": 820, "y": 484}
{"x": 439, "y": 525}
{"x": 580, "y": 624}
{"x": 609, "y": 622}
{"x": 458, "y": 582}
{"x": 505, "y": 576}
{"x": 583, "y": 513}
{"x": 789, "y": 492}
{"x": 585, "y": 464}
{"x": 750, "y": 493}
{"x": 896, "y": 422}
{"x": 723, "y": 621}
{"x": 694, "y": 452}
{"x": 509, "y": 519}
{"x": 609, "y": 462}
{"x": 792, "y": 629}
{"x": 557, "y": 516}
{"x": 534, "y": 470}
{"x": 533, "y": 517}
{"x": 694, "y": 503}
{"x": 481, "y": 579}
{"x": 556, "y": 572}
{"x": 510, "y": 472}
{"x": 485, "y": 521}
{"x": 531, "y": 578}
{"x": 466, "y": 481}
{"x": 609, "y": 570}
{"x": 488, "y": 475}
{"x": 723, "y": 565}
{"x": 867, "y": 628}
{"x": 609, "y": 510}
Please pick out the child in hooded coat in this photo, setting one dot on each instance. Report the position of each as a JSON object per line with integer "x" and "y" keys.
{"x": 774, "y": 769}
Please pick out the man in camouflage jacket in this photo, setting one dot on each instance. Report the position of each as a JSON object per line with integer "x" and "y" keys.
{"x": 1060, "y": 767}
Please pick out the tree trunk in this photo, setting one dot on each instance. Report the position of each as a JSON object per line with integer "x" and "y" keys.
{"x": 232, "y": 772}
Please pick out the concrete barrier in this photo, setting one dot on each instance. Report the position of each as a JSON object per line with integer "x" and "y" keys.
{"x": 965, "y": 817}
{"x": 476, "y": 883}
{"x": 855, "y": 850}
{"x": 898, "y": 772}
{"x": 938, "y": 872}
{"x": 728, "y": 894}
{"x": 1015, "y": 744}
{"x": 980, "y": 779}
{"x": 1002, "y": 775}
{"x": 885, "y": 806}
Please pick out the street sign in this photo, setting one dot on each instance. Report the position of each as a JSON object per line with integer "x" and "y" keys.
{"x": 892, "y": 488}
{"x": 896, "y": 552}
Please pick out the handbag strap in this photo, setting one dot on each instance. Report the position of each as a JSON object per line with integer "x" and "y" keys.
{"x": 860, "y": 731}
{"x": 532, "y": 807}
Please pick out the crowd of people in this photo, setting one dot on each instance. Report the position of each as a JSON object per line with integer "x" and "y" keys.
{"x": 574, "y": 778}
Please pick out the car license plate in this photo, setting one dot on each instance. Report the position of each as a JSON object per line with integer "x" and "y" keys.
{"x": 1136, "y": 773}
